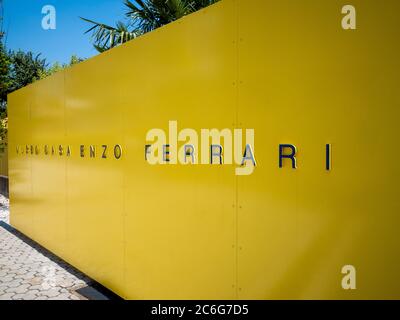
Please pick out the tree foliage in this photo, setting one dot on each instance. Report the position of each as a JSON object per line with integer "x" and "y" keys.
{"x": 5, "y": 62}
{"x": 58, "y": 67}
{"x": 142, "y": 16}
{"x": 5, "y": 81}
{"x": 4, "y": 88}
{"x": 26, "y": 68}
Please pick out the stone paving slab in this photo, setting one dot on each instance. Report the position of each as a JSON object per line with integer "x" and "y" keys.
{"x": 4, "y": 209}
{"x": 30, "y": 272}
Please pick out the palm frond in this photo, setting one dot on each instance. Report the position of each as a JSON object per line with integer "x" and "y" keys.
{"x": 106, "y": 37}
{"x": 142, "y": 16}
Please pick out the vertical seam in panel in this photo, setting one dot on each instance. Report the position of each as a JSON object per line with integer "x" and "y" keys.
{"x": 236, "y": 13}
{"x": 123, "y": 172}
{"x": 30, "y": 162}
{"x": 66, "y": 164}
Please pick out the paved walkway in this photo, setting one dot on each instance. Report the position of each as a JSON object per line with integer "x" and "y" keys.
{"x": 29, "y": 272}
{"x": 4, "y": 211}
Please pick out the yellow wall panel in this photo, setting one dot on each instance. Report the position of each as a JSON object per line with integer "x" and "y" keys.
{"x": 94, "y": 184}
{"x": 307, "y": 82}
{"x": 173, "y": 205}
{"x": 20, "y": 185}
{"x": 47, "y": 127}
{"x": 287, "y": 70}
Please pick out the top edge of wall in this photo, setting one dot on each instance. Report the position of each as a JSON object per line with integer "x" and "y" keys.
{"x": 132, "y": 42}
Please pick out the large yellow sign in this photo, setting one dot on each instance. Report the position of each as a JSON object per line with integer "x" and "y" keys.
{"x": 315, "y": 86}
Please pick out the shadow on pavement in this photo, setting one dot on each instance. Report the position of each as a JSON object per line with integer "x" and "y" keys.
{"x": 93, "y": 290}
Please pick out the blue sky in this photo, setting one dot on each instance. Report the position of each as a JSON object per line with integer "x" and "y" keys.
{"x": 23, "y": 26}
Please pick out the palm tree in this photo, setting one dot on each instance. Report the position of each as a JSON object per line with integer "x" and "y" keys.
{"x": 143, "y": 16}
